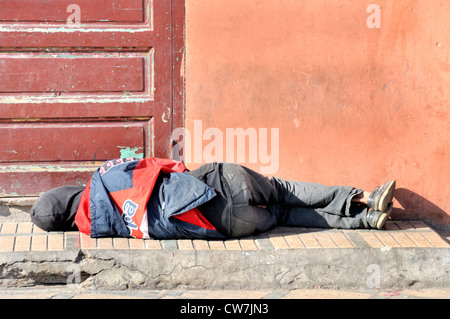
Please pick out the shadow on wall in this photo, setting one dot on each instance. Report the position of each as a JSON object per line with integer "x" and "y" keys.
{"x": 414, "y": 206}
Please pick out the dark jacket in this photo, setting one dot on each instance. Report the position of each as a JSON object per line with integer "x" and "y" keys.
{"x": 174, "y": 195}
{"x": 144, "y": 198}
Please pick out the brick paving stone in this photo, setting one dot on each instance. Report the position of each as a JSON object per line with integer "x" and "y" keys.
{"x": 294, "y": 241}
{"x": 341, "y": 240}
{"x": 419, "y": 225}
{"x": 136, "y": 243}
{"x": 325, "y": 294}
{"x": 217, "y": 245}
{"x": 121, "y": 243}
{"x": 223, "y": 294}
{"x": 232, "y": 244}
{"x": 72, "y": 240}
{"x": 356, "y": 238}
{"x": 7, "y": 244}
{"x": 55, "y": 242}
{"x": 325, "y": 240}
{"x": 419, "y": 239}
{"x": 404, "y": 225}
{"x": 278, "y": 294}
{"x": 169, "y": 244}
{"x": 185, "y": 244}
{"x": 371, "y": 239}
{"x": 309, "y": 240}
{"x": 387, "y": 239}
{"x": 263, "y": 242}
{"x": 390, "y": 225}
{"x": 104, "y": 295}
{"x": 22, "y": 243}
{"x": 200, "y": 244}
{"x": 37, "y": 230}
{"x": 435, "y": 239}
{"x": 278, "y": 241}
{"x": 248, "y": 244}
{"x": 24, "y": 228}
{"x": 174, "y": 293}
{"x": 153, "y": 244}
{"x": 105, "y": 243}
{"x": 8, "y": 228}
{"x": 87, "y": 242}
{"x": 428, "y": 293}
{"x": 127, "y": 294}
{"x": 403, "y": 239}
{"x": 19, "y": 293}
{"x": 39, "y": 243}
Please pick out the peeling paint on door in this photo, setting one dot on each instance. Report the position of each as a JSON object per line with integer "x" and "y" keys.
{"x": 130, "y": 152}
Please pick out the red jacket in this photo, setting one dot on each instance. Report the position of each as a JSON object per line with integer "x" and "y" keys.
{"x": 114, "y": 202}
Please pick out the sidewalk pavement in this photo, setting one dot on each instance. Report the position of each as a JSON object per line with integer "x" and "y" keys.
{"x": 75, "y": 292}
{"x": 407, "y": 256}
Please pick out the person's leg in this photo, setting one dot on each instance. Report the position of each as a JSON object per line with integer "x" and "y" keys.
{"x": 317, "y": 218}
{"x": 379, "y": 199}
{"x": 261, "y": 190}
{"x": 329, "y": 206}
{"x": 264, "y": 191}
{"x": 260, "y": 203}
{"x": 248, "y": 219}
{"x": 246, "y": 189}
{"x": 363, "y": 212}
{"x": 379, "y": 202}
{"x": 334, "y": 200}
{"x": 361, "y": 198}
{"x": 55, "y": 210}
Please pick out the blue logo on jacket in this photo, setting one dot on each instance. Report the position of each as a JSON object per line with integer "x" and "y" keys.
{"x": 129, "y": 209}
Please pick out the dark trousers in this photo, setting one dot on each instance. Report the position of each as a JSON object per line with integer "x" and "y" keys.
{"x": 260, "y": 203}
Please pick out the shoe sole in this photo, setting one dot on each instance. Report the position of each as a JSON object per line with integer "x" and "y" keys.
{"x": 385, "y": 216}
{"x": 387, "y": 196}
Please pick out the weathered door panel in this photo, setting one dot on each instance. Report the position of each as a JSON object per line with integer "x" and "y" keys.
{"x": 76, "y": 93}
{"x": 55, "y": 11}
{"x": 57, "y": 73}
{"x": 100, "y": 141}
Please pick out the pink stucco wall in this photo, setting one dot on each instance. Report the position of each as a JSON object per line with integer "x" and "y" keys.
{"x": 347, "y": 96}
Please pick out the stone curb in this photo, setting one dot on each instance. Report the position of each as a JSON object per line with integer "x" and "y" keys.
{"x": 403, "y": 256}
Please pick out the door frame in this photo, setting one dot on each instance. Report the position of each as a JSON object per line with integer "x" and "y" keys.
{"x": 178, "y": 67}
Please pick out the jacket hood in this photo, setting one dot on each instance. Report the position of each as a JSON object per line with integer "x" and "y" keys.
{"x": 184, "y": 192}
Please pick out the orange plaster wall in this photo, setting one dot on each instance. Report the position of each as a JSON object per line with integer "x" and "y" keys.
{"x": 354, "y": 105}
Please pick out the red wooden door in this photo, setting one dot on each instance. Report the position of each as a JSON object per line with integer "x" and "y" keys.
{"x": 82, "y": 82}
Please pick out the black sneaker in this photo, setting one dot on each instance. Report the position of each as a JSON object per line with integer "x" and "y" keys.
{"x": 377, "y": 219}
{"x": 381, "y": 196}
